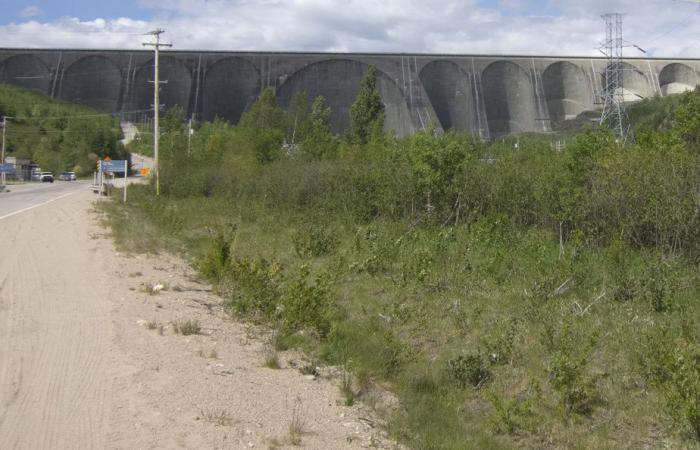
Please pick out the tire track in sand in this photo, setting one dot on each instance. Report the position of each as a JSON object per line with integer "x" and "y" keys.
{"x": 55, "y": 310}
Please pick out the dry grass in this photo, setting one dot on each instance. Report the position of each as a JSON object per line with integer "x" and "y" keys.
{"x": 296, "y": 425}
{"x": 187, "y": 327}
{"x": 272, "y": 360}
{"x": 217, "y": 416}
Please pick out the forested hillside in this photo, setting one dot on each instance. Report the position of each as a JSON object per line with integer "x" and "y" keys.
{"x": 59, "y": 136}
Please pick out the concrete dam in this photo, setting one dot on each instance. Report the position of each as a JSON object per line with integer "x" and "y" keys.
{"x": 490, "y": 96}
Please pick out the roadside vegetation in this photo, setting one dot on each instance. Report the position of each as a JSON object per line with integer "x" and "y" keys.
{"x": 509, "y": 297}
{"x": 58, "y": 136}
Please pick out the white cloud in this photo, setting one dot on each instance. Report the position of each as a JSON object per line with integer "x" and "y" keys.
{"x": 439, "y": 26}
{"x": 30, "y": 11}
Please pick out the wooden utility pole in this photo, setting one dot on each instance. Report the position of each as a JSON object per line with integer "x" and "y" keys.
{"x": 2, "y": 157}
{"x": 156, "y": 100}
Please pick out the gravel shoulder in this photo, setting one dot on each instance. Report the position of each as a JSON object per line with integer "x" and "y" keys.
{"x": 89, "y": 358}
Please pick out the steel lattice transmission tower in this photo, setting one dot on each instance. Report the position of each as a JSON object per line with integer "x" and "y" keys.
{"x": 614, "y": 113}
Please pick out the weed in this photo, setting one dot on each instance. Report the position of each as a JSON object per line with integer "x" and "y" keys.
{"x": 468, "y": 370}
{"x": 153, "y": 324}
{"x": 187, "y": 327}
{"x": 213, "y": 354}
{"x": 257, "y": 291}
{"x": 510, "y": 413}
{"x": 315, "y": 240}
{"x": 272, "y": 360}
{"x": 346, "y": 388}
{"x": 217, "y": 416}
{"x": 297, "y": 425}
{"x": 568, "y": 374}
{"x": 214, "y": 261}
{"x": 308, "y": 305}
{"x": 682, "y": 392}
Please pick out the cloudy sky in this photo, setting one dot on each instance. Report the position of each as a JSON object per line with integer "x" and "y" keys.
{"x": 664, "y": 28}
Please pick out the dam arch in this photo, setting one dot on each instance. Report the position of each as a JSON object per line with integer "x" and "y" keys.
{"x": 338, "y": 81}
{"x": 26, "y": 71}
{"x": 509, "y": 98}
{"x": 94, "y": 81}
{"x": 231, "y": 85}
{"x": 677, "y": 78}
{"x": 177, "y": 90}
{"x": 449, "y": 90}
{"x": 635, "y": 84}
{"x": 567, "y": 91}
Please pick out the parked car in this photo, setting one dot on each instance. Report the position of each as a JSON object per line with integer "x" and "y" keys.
{"x": 67, "y": 176}
{"x": 46, "y": 177}
{"x": 73, "y": 176}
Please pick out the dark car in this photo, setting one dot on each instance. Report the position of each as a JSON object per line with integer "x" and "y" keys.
{"x": 46, "y": 177}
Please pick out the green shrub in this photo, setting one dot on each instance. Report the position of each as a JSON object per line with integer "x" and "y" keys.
{"x": 510, "y": 414}
{"x": 257, "y": 288}
{"x": 315, "y": 240}
{"x": 468, "y": 370}
{"x": 671, "y": 362}
{"x": 214, "y": 262}
{"x": 308, "y": 305}
{"x": 568, "y": 373}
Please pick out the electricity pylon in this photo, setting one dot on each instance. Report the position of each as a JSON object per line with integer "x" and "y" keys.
{"x": 613, "y": 95}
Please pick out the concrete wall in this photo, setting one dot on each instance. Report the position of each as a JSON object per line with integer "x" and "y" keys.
{"x": 490, "y": 96}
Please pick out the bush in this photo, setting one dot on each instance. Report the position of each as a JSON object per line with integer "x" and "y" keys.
{"x": 682, "y": 392}
{"x": 257, "y": 288}
{"x": 468, "y": 370}
{"x": 315, "y": 240}
{"x": 308, "y": 305}
{"x": 214, "y": 262}
{"x": 568, "y": 373}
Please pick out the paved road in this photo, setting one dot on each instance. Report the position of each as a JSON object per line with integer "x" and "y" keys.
{"x": 23, "y": 197}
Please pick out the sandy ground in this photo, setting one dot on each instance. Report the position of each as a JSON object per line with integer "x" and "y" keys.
{"x": 80, "y": 367}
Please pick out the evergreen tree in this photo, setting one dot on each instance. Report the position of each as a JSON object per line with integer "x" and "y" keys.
{"x": 367, "y": 112}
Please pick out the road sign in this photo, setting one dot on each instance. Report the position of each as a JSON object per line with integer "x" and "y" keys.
{"x": 115, "y": 166}
{"x": 7, "y": 168}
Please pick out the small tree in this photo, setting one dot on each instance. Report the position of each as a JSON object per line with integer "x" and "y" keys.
{"x": 319, "y": 142}
{"x": 264, "y": 126}
{"x": 367, "y": 112}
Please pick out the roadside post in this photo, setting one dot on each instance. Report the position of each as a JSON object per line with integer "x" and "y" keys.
{"x": 126, "y": 172}
{"x": 5, "y": 169}
{"x": 116, "y": 166}
{"x": 99, "y": 170}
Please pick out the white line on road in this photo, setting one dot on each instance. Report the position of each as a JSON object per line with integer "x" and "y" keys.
{"x": 37, "y": 205}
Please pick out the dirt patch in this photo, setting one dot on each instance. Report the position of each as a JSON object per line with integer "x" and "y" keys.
{"x": 105, "y": 350}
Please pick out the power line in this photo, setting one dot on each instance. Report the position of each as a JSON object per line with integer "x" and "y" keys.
{"x": 81, "y": 116}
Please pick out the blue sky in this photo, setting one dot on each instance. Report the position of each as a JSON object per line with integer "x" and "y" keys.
{"x": 558, "y": 27}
